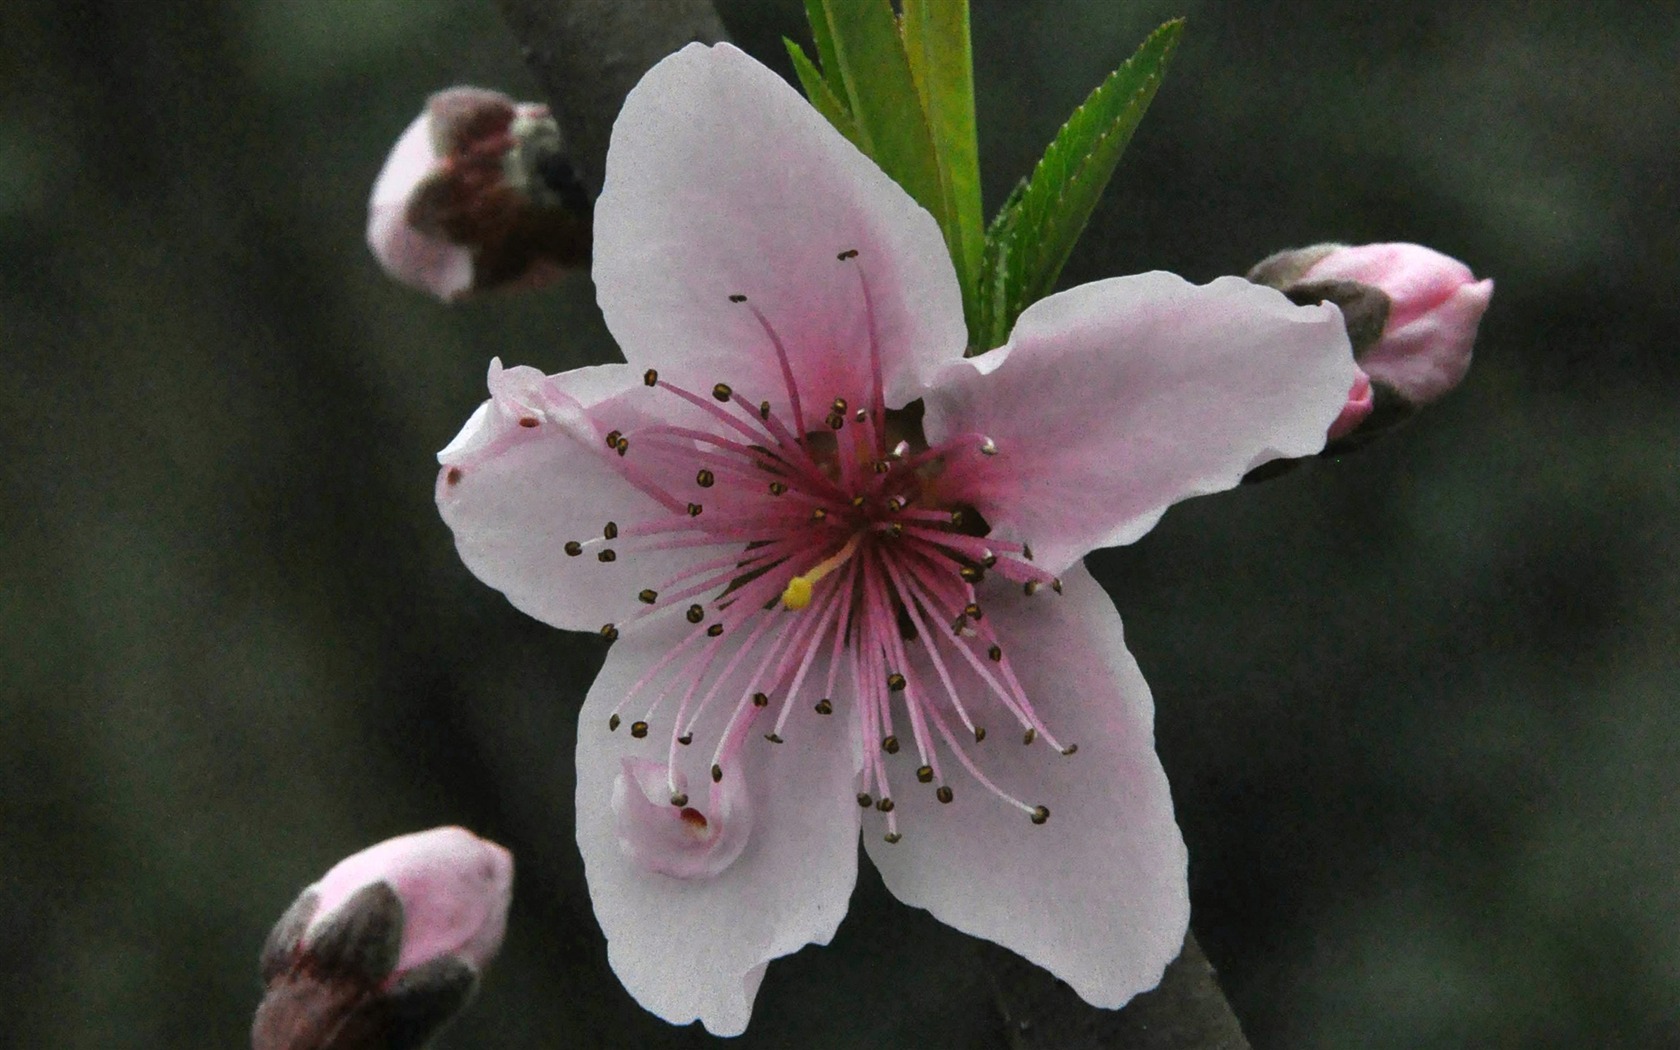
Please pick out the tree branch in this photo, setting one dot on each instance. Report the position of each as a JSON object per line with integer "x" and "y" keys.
{"x": 587, "y": 55}
{"x": 1186, "y": 1012}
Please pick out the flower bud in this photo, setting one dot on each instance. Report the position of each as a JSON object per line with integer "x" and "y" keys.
{"x": 478, "y": 194}
{"x": 387, "y": 946}
{"x": 1415, "y": 341}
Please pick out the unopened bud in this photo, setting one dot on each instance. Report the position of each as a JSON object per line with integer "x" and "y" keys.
{"x": 1421, "y": 348}
{"x": 386, "y": 947}
{"x": 478, "y": 194}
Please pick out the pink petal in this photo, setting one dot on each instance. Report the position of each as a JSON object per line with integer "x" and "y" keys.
{"x": 429, "y": 263}
{"x": 1097, "y": 894}
{"x": 1429, "y": 355}
{"x": 454, "y": 887}
{"x": 696, "y": 947}
{"x": 721, "y": 181}
{"x": 530, "y": 472}
{"x": 1117, "y": 398}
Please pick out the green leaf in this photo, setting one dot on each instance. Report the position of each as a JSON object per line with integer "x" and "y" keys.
{"x": 993, "y": 285}
{"x": 936, "y": 40}
{"x": 1048, "y": 217}
{"x": 872, "y": 67}
{"x": 821, "y": 95}
{"x": 816, "y": 13}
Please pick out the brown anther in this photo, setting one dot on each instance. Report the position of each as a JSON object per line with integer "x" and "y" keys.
{"x": 881, "y": 466}
{"x": 638, "y": 729}
{"x": 528, "y": 421}
{"x": 686, "y": 739}
{"x": 956, "y": 517}
{"x": 890, "y": 745}
{"x": 972, "y": 573}
{"x": 1040, "y": 814}
{"x": 651, "y": 377}
{"x": 1026, "y": 551}
{"x": 864, "y": 800}
{"x": 611, "y": 531}
{"x": 764, "y": 410}
{"x": 704, "y": 479}
{"x": 885, "y": 805}
{"x": 612, "y": 438}
{"x": 1029, "y": 588}
{"x": 988, "y": 447}
{"x": 988, "y": 560}
{"x": 857, "y": 501}
{"x": 573, "y": 548}
{"x": 647, "y": 596}
{"x": 893, "y": 838}
{"x": 979, "y": 733}
{"x": 972, "y": 611}
{"x": 896, "y": 504}
{"x": 623, "y": 446}
{"x": 895, "y": 681}
{"x": 995, "y": 653}
{"x": 722, "y": 392}
{"x": 612, "y": 724}
{"x": 1070, "y": 749}
{"x": 717, "y": 773}
{"x": 960, "y": 624}
{"x": 737, "y": 298}
{"x": 860, "y": 415}
{"x": 944, "y": 794}
{"x": 825, "y": 707}
{"x": 925, "y": 774}
{"x": 760, "y": 700}
{"x": 1056, "y": 584}
{"x": 678, "y": 799}
{"x": 777, "y": 488}
{"x": 1029, "y": 736}
{"x": 773, "y": 738}
{"x": 895, "y": 530}
{"x": 609, "y": 632}
{"x": 694, "y": 510}
{"x": 714, "y": 630}
{"x": 849, "y": 253}
{"x": 818, "y": 514}
{"x": 835, "y": 420}
{"x": 607, "y": 555}
{"x": 695, "y": 613}
{"x": 453, "y": 476}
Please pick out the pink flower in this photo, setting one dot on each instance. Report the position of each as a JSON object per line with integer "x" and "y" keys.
{"x": 463, "y": 203}
{"x": 453, "y": 885}
{"x": 1436, "y": 305}
{"x": 841, "y": 561}
{"x": 1361, "y": 400}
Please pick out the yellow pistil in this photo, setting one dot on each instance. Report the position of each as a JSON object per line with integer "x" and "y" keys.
{"x": 797, "y": 594}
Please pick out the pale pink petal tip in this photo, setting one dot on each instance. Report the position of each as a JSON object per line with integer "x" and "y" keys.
{"x": 454, "y": 886}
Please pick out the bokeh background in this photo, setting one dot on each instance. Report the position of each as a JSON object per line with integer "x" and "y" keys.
{"x": 1419, "y": 705}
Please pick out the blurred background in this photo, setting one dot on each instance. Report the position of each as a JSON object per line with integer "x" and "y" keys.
{"x": 1419, "y": 705}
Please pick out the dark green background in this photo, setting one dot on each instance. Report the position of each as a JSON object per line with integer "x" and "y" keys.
{"x": 1418, "y": 706}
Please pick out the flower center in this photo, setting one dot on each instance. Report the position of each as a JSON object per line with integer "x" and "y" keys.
{"x": 845, "y": 536}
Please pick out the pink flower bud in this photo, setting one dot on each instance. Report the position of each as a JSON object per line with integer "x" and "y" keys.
{"x": 477, "y": 194}
{"x": 453, "y": 885}
{"x": 1436, "y": 304}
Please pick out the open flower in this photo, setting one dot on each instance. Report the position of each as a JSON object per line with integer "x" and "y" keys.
{"x": 840, "y": 562}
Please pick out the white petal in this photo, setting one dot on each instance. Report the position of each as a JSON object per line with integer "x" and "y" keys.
{"x": 696, "y": 947}
{"x": 721, "y": 180}
{"x": 1097, "y": 894}
{"x": 1118, "y": 398}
